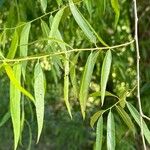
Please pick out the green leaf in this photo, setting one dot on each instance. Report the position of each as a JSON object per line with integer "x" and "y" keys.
{"x": 116, "y": 7}
{"x": 96, "y": 94}
{"x": 15, "y": 82}
{"x": 88, "y": 4}
{"x": 111, "y": 141}
{"x": 66, "y": 85}
{"x": 43, "y": 5}
{"x": 45, "y": 28}
{"x": 135, "y": 114}
{"x": 126, "y": 118}
{"x": 39, "y": 97}
{"x": 85, "y": 81}
{"x": 99, "y": 134}
{"x": 94, "y": 118}
{"x": 13, "y": 46}
{"x": 55, "y": 23}
{"x": 101, "y": 5}
{"x": 24, "y": 45}
{"x": 73, "y": 75}
{"x": 4, "y": 119}
{"x": 105, "y": 73}
{"x": 15, "y": 96}
{"x": 84, "y": 25}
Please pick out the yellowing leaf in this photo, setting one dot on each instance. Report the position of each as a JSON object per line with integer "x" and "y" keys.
{"x": 94, "y": 118}
{"x": 15, "y": 82}
{"x": 105, "y": 74}
{"x": 85, "y": 81}
{"x": 43, "y": 5}
{"x": 111, "y": 141}
{"x": 15, "y": 96}
{"x": 126, "y": 118}
{"x": 39, "y": 97}
{"x": 13, "y": 46}
{"x": 99, "y": 134}
{"x": 116, "y": 7}
{"x": 135, "y": 114}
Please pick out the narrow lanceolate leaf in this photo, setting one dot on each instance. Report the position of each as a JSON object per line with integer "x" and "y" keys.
{"x": 116, "y": 7}
{"x": 84, "y": 24}
{"x": 105, "y": 74}
{"x": 111, "y": 141}
{"x": 101, "y": 5}
{"x": 55, "y": 23}
{"x": 39, "y": 97}
{"x": 45, "y": 28}
{"x": 15, "y": 96}
{"x": 66, "y": 85}
{"x": 94, "y": 118}
{"x": 99, "y": 134}
{"x": 43, "y": 5}
{"x": 81, "y": 22}
{"x": 24, "y": 45}
{"x": 15, "y": 82}
{"x": 85, "y": 81}
{"x": 135, "y": 114}
{"x": 13, "y": 46}
{"x": 4, "y": 119}
{"x": 126, "y": 118}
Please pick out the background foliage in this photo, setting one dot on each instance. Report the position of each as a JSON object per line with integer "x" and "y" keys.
{"x": 31, "y": 30}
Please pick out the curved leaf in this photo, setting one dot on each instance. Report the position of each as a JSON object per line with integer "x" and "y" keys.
{"x": 85, "y": 81}
{"x": 135, "y": 114}
{"x": 94, "y": 118}
{"x": 39, "y": 96}
{"x": 126, "y": 118}
{"x": 111, "y": 141}
{"x": 99, "y": 134}
{"x": 105, "y": 73}
{"x": 116, "y": 7}
{"x": 15, "y": 82}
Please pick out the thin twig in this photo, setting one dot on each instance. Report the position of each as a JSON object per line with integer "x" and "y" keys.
{"x": 138, "y": 73}
{"x": 63, "y": 52}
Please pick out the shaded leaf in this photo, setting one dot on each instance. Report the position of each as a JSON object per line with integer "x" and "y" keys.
{"x": 13, "y": 46}
{"x": 15, "y": 96}
{"x": 39, "y": 97}
{"x": 105, "y": 73}
{"x": 85, "y": 81}
{"x": 15, "y": 82}
{"x": 111, "y": 141}
{"x": 126, "y": 118}
{"x": 135, "y": 114}
{"x": 99, "y": 134}
{"x": 45, "y": 28}
{"x": 101, "y": 5}
{"x": 43, "y": 5}
{"x": 4, "y": 119}
{"x": 116, "y": 7}
{"x": 94, "y": 118}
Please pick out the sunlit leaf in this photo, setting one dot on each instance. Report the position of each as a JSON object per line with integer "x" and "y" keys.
{"x": 15, "y": 82}
{"x": 24, "y": 45}
{"x": 99, "y": 134}
{"x": 85, "y": 81}
{"x": 45, "y": 28}
{"x": 126, "y": 118}
{"x": 15, "y": 96}
{"x": 116, "y": 7}
{"x": 39, "y": 97}
{"x": 94, "y": 118}
{"x": 111, "y": 141}
{"x": 135, "y": 114}
{"x": 13, "y": 46}
{"x": 43, "y": 5}
{"x": 105, "y": 74}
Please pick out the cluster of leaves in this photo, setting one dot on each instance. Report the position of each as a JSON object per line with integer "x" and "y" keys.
{"x": 34, "y": 66}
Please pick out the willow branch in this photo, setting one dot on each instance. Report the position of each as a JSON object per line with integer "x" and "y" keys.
{"x": 138, "y": 73}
